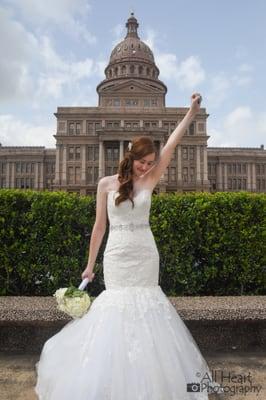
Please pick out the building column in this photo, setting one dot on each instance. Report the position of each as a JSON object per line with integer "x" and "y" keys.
{"x": 219, "y": 177}
{"x": 84, "y": 127}
{"x": 162, "y": 177}
{"x": 57, "y": 165}
{"x": 179, "y": 165}
{"x": 121, "y": 150}
{"x": 249, "y": 177}
{"x": 198, "y": 176}
{"x": 225, "y": 178}
{"x": 83, "y": 165}
{"x": 8, "y": 174}
{"x": 253, "y": 166}
{"x": 64, "y": 167}
{"x": 101, "y": 159}
{"x": 205, "y": 166}
{"x": 36, "y": 178}
{"x": 12, "y": 183}
{"x": 41, "y": 174}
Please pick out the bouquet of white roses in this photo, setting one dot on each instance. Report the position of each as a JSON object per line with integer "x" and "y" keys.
{"x": 72, "y": 301}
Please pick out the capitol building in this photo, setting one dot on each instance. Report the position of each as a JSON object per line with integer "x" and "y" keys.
{"x": 90, "y": 141}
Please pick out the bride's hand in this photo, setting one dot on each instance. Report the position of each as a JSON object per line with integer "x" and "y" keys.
{"x": 195, "y": 102}
{"x": 87, "y": 273}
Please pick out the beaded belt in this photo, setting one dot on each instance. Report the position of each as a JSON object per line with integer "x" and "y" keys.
{"x": 128, "y": 227}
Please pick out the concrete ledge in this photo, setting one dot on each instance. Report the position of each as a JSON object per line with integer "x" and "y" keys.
{"x": 221, "y": 323}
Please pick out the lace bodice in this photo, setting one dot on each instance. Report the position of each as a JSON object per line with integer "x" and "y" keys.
{"x": 124, "y": 213}
{"x": 131, "y": 257}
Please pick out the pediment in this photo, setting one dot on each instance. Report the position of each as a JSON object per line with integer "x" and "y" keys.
{"x": 131, "y": 87}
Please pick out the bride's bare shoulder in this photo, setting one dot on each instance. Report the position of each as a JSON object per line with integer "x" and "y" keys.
{"x": 108, "y": 183}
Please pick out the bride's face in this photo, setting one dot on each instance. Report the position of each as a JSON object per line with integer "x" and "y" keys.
{"x": 141, "y": 166}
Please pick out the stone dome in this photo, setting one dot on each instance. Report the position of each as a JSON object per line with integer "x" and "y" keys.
{"x": 131, "y": 47}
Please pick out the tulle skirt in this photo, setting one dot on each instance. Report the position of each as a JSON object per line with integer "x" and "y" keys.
{"x": 130, "y": 345}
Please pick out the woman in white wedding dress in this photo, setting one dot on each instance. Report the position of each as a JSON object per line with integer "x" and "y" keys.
{"x": 131, "y": 344}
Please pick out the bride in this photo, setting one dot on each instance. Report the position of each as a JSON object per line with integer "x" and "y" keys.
{"x": 131, "y": 344}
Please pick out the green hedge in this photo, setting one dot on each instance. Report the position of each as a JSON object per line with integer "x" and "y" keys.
{"x": 209, "y": 244}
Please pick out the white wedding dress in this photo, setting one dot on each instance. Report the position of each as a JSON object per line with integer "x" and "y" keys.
{"x": 131, "y": 344}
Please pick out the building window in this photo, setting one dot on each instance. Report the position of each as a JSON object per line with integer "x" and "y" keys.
{"x": 116, "y": 102}
{"x": 77, "y": 153}
{"x": 74, "y": 128}
{"x": 185, "y": 174}
{"x": 90, "y": 127}
{"x": 150, "y": 124}
{"x": 184, "y": 152}
{"x": 229, "y": 168}
{"x": 109, "y": 154}
{"x": 77, "y": 175}
{"x": 201, "y": 126}
{"x": 71, "y": 129}
{"x": 244, "y": 168}
{"x": 78, "y": 128}
{"x": 71, "y": 153}
{"x": 191, "y": 153}
{"x": 113, "y": 124}
{"x": 70, "y": 175}
{"x": 93, "y": 153}
{"x": 192, "y": 174}
{"x": 112, "y": 153}
{"x": 147, "y": 103}
{"x": 131, "y": 102}
{"x": 191, "y": 129}
{"x": 96, "y": 174}
{"x": 173, "y": 174}
{"x": 98, "y": 126}
{"x": 90, "y": 175}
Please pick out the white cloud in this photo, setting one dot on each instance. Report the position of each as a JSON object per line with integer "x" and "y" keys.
{"x": 187, "y": 74}
{"x": 17, "y": 48}
{"x": 219, "y": 86}
{"x": 59, "y": 74}
{"x": 31, "y": 70}
{"x": 119, "y": 34}
{"x": 14, "y": 132}
{"x": 67, "y": 15}
{"x": 238, "y": 128}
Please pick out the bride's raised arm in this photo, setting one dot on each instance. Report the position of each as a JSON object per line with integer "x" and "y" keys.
{"x": 174, "y": 139}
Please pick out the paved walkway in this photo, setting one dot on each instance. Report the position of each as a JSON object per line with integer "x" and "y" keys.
{"x": 18, "y": 377}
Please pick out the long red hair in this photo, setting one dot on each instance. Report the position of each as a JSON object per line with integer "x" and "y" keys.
{"x": 141, "y": 146}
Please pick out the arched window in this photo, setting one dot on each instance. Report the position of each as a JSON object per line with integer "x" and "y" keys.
{"x": 123, "y": 70}
{"x": 132, "y": 69}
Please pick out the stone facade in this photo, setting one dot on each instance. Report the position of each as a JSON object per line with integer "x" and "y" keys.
{"x": 90, "y": 141}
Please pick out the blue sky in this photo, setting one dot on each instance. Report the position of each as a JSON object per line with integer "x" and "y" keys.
{"x": 53, "y": 53}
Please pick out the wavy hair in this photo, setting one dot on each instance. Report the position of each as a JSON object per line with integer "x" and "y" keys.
{"x": 141, "y": 146}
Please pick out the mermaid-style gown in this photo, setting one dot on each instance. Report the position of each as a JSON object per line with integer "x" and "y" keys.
{"x": 131, "y": 344}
